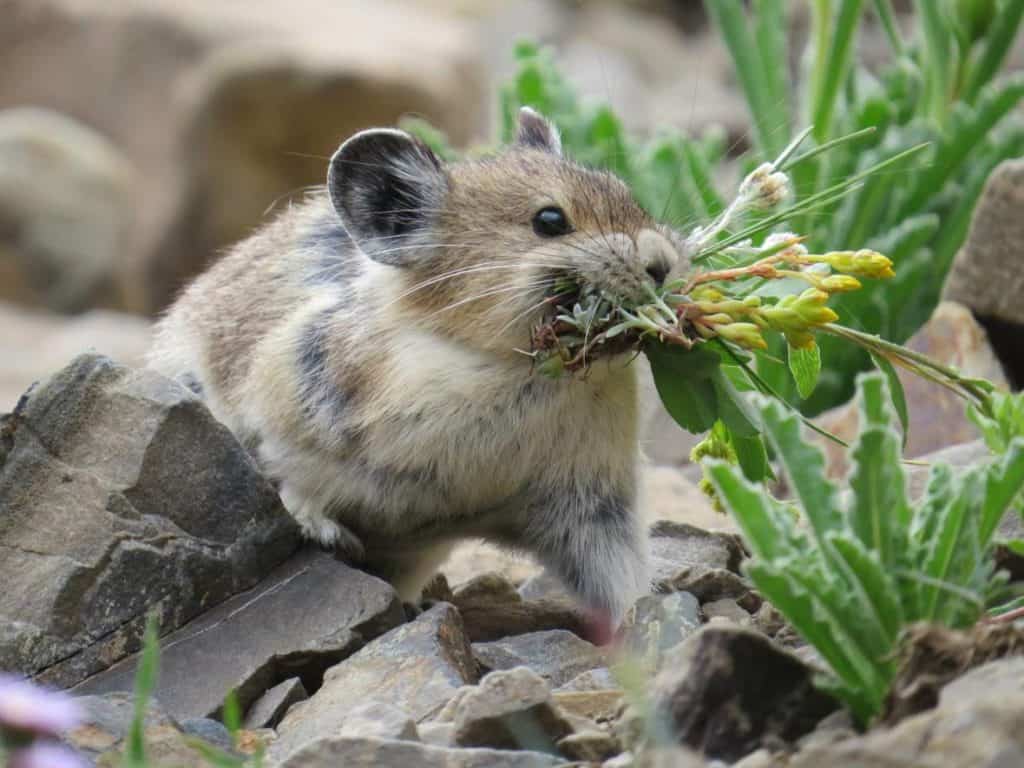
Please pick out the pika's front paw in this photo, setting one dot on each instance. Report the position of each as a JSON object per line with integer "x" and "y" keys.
{"x": 334, "y": 537}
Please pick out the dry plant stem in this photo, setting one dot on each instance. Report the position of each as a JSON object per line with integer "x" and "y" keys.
{"x": 1002, "y": 618}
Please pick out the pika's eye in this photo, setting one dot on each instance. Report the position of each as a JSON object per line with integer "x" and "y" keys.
{"x": 551, "y": 222}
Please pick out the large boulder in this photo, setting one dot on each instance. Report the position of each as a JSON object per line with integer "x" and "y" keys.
{"x": 66, "y": 202}
{"x": 234, "y": 105}
{"x": 986, "y": 275}
{"x": 120, "y": 494}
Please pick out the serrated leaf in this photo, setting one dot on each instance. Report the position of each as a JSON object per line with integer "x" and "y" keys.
{"x": 1003, "y": 483}
{"x": 899, "y": 398}
{"x": 876, "y": 587}
{"x": 804, "y": 466}
{"x": 805, "y": 365}
{"x": 763, "y": 523}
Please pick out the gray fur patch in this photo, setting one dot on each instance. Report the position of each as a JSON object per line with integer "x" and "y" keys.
{"x": 321, "y": 397}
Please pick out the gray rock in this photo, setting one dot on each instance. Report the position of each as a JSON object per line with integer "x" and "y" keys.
{"x": 728, "y": 609}
{"x": 510, "y": 709}
{"x": 437, "y": 734}
{"x": 591, "y": 746}
{"x": 674, "y": 545}
{"x": 556, "y": 655}
{"x": 268, "y": 709}
{"x": 979, "y": 723}
{"x": 211, "y": 731}
{"x": 67, "y": 197}
{"x": 121, "y": 494}
{"x": 543, "y": 586}
{"x": 377, "y": 720}
{"x": 599, "y": 679}
{"x": 656, "y": 623}
{"x": 107, "y": 719}
{"x": 726, "y": 689}
{"x": 985, "y": 274}
{"x": 492, "y": 608}
{"x": 418, "y": 666}
{"x": 333, "y": 752}
{"x": 710, "y": 584}
{"x": 102, "y": 736}
{"x": 309, "y": 614}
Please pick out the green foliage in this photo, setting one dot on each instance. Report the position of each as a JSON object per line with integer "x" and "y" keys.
{"x": 938, "y": 88}
{"x": 864, "y": 568}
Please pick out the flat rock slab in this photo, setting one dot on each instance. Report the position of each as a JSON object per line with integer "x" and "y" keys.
{"x": 378, "y": 753}
{"x": 556, "y": 655}
{"x": 417, "y": 667}
{"x": 726, "y": 689}
{"x": 121, "y": 493}
{"x": 310, "y": 613}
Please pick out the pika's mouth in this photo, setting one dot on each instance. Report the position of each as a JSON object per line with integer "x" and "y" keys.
{"x": 572, "y": 332}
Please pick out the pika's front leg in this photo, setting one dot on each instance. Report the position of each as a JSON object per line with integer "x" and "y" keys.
{"x": 594, "y": 541}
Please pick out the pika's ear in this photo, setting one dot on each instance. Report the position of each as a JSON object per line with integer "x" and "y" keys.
{"x": 388, "y": 188}
{"x": 536, "y": 132}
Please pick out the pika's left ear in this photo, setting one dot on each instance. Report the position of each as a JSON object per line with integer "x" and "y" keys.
{"x": 388, "y": 188}
{"x": 536, "y": 132}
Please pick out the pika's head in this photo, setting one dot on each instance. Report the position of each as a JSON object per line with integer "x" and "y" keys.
{"x": 479, "y": 246}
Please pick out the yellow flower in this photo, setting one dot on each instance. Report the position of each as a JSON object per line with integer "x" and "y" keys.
{"x": 839, "y": 284}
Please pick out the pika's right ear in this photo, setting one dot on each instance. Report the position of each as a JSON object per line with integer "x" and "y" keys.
{"x": 388, "y": 188}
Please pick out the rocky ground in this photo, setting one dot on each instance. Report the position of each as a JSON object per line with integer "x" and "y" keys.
{"x": 120, "y": 495}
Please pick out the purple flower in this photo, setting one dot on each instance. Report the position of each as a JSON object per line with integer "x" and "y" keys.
{"x": 29, "y": 708}
{"x": 45, "y": 755}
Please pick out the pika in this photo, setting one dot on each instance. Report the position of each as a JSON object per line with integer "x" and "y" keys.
{"x": 367, "y": 347}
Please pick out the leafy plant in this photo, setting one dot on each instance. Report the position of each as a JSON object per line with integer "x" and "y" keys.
{"x": 866, "y": 566}
{"x": 939, "y": 88}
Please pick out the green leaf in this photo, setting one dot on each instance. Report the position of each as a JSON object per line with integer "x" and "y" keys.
{"x": 805, "y": 365}
{"x": 753, "y": 458}
{"x": 804, "y": 466}
{"x": 895, "y": 388}
{"x": 764, "y": 523}
{"x": 1003, "y": 483}
{"x": 684, "y": 380}
{"x": 876, "y": 588}
{"x": 1002, "y": 33}
{"x": 733, "y": 409}
{"x": 836, "y": 68}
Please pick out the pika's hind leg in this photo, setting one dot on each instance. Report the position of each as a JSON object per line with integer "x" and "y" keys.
{"x": 318, "y": 526}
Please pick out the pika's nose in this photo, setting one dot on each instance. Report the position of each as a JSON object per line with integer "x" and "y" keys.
{"x": 657, "y": 255}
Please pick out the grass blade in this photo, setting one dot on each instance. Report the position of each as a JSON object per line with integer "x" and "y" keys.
{"x": 837, "y": 68}
{"x": 1001, "y": 35}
